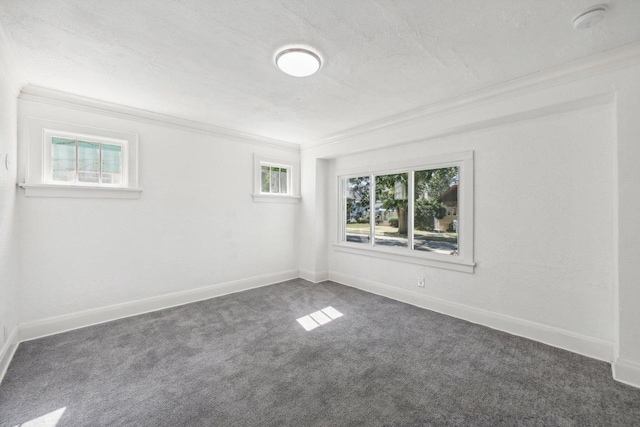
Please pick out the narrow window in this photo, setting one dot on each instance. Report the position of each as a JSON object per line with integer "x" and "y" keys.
{"x": 111, "y": 164}
{"x": 88, "y": 162}
{"x": 63, "y": 159}
{"x": 392, "y": 210}
{"x": 436, "y": 201}
{"x": 357, "y": 208}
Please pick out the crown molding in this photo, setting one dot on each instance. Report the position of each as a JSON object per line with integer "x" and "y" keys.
{"x": 67, "y": 100}
{"x": 9, "y": 64}
{"x": 611, "y": 60}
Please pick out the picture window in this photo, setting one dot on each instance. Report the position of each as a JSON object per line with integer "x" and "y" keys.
{"x": 423, "y": 211}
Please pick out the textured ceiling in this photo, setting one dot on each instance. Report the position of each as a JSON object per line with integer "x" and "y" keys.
{"x": 212, "y": 61}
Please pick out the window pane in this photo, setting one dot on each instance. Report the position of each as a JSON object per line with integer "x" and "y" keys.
{"x": 275, "y": 180}
{"x": 265, "y": 179}
{"x": 357, "y": 208}
{"x": 88, "y": 161}
{"x": 111, "y": 164}
{"x": 63, "y": 159}
{"x": 436, "y": 211}
{"x": 392, "y": 205}
{"x": 283, "y": 180}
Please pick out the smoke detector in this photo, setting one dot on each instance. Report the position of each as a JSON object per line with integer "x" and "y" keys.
{"x": 589, "y": 17}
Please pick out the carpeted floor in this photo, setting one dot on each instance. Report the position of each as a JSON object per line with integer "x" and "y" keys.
{"x": 244, "y": 360}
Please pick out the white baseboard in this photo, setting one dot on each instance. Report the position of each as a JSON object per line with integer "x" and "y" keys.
{"x": 567, "y": 340}
{"x": 314, "y": 276}
{"x": 627, "y": 372}
{"x": 7, "y": 351}
{"x": 81, "y": 319}
{"x": 624, "y": 371}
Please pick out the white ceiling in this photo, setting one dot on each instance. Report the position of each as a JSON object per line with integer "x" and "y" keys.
{"x": 212, "y": 61}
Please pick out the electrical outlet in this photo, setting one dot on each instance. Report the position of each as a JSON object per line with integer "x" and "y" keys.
{"x": 421, "y": 282}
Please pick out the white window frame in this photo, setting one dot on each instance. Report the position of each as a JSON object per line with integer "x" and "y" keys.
{"x": 37, "y": 136}
{"x": 292, "y": 194}
{"x": 464, "y": 261}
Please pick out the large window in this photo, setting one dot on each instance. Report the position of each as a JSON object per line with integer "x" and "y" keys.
{"x": 422, "y": 212}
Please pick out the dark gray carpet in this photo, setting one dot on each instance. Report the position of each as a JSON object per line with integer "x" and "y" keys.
{"x": 243, "y": 360}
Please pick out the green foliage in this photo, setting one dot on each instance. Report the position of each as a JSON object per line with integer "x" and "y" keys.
{"x": 392, "y": 193}
{"x": 426, "y": 212}
{"x": 358, "y": 198}
{"x": 435, "y": 182}
{"x": 391, "y": 190}
{"x": 430, "y": 185}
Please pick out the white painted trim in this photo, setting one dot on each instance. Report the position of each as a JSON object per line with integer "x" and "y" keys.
{"x": 275, "y": 198}
{"x": 36, "y": 138}
{"x": 293, "y": 180}
{"x": 314, "y": 276}
{"x": 614, "y": 59}
{"x": 67, "y": 100}
{"x": 7, "y": 351}
{"x": 627, "y": 372}
{"x": 561, "y": 338}
{"x": 405, "y": 255}
{"x": 420, "y": 163}
{"x": 51, "y": 190}
{"x": 67, "y": 322}
{"x": 616, "y": 235}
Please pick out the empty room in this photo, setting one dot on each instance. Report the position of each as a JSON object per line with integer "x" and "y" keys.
{"x": 319, "y": 213}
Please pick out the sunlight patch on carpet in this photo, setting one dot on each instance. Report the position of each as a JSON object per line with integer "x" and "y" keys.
{"x": 319, "y": 318}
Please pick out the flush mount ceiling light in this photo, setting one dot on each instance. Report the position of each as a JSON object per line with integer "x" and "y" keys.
{"x": 298, "y": 62}
{"x": 589, "y": 17}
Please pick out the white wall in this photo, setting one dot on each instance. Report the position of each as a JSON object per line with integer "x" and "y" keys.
{"x": 556, "y": 206}
{"x": 313, "y": 236}
{"x": 9, "y": 268}
{"x": 195, "y": 224}
{"x": 543, "y": 218}
{"x": 627, "y": 367}
{"x": 8, "y": 260}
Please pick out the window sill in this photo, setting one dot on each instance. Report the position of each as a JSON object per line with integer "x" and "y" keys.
{"x": 275, "y": 198}
{"x": 455, "y": 263}
{"x": 52, "y": 190}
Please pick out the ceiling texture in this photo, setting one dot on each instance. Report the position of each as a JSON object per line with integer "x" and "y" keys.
{"x": 213, "y": 61}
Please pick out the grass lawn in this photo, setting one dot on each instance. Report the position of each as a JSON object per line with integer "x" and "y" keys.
{"x": 386, "y": 230}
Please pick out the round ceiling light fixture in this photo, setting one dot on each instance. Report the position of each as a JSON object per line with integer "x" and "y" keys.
{"x": 590, "y": 17}
{"x": 298, "y": 62}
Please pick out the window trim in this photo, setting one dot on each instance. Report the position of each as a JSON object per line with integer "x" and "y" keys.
{"x": 462, "y": 262}
{"x": 38, "y": 182}
{"x": 292, "y": 195}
